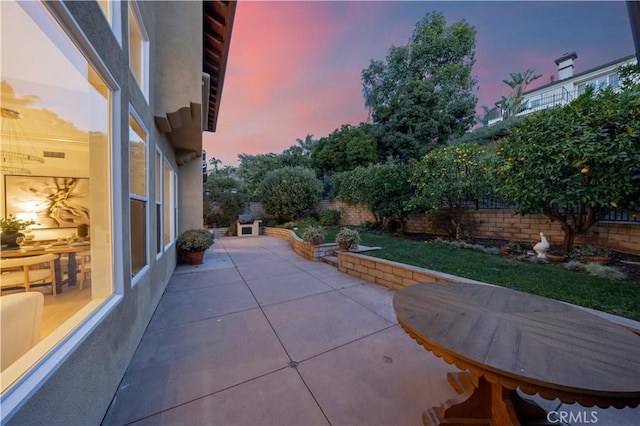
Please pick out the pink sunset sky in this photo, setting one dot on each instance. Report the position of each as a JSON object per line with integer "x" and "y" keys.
{"x": 294, "y": 67}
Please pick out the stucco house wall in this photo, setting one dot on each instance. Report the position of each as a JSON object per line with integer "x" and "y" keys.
{"x": 84, "y": 372}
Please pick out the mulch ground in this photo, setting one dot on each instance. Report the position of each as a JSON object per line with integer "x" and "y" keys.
{"x": 627, "y": 263}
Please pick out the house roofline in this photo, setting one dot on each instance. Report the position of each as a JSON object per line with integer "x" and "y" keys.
{"x": 608, "y": 64}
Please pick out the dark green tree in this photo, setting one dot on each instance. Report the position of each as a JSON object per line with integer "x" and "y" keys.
{"x": 254, "y": 168}
{"x": 423, "y": 93}
{"x": 289, "y": 192}
{"x": 344, "y": 149}
{"x": 224, "y": 199}
{"x": 384, "y": 188}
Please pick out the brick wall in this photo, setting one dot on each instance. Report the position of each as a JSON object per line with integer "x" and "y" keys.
{"x": 504, "y": 224}
{"x": 349, "y": 214}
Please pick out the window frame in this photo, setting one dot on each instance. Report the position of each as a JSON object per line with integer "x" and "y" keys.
{"x": 135, "y": 277}
{"x": 112, "y": 14}
{"x": 143, "y": 79}
{"x": 170, "y": 204}
{"x": 159, "y": 206}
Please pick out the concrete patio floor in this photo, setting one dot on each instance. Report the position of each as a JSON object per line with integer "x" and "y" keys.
{"x": 260, "y": 336}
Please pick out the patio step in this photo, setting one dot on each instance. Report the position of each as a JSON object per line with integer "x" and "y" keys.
{"x": 331, "y": 260}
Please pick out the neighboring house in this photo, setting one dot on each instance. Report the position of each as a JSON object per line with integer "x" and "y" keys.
{"x": 103, "y": 108}
{"x": 567, "y": 86}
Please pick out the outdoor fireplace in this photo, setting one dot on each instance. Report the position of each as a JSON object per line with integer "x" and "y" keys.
{"x": 247, "y": 226}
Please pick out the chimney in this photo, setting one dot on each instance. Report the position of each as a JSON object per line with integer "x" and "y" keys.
{"x": 565, "y": 65}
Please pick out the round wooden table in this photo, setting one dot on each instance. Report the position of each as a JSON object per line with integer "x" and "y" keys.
{"x": 70, "y": 250}
{"x": 508, "y": 340}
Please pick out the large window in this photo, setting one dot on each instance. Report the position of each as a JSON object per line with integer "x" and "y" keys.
{"x": 56, "y": 146}
{"x": 138, "y": 193}
{"x": 138, "y": 48}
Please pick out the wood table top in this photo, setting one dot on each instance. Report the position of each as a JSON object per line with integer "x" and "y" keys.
{"x": 45, "y": 249}
{"x": 526, "y": 341}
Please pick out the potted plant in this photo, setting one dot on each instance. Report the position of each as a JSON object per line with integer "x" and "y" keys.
{"x": 313, "y": 234}
{"x": 193, "y": 243}
{"x": 11, "y": 227}
{"x": 347, "y": 239}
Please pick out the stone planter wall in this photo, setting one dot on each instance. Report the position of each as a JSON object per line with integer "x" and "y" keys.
{"x": 308, "y": 251}
{"x": 390, "y": 274}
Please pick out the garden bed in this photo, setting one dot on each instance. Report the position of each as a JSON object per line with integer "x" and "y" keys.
{"x": 626, "y": 263}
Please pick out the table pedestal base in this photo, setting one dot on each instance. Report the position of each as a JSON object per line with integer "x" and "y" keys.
{"x": 483, "y": 403}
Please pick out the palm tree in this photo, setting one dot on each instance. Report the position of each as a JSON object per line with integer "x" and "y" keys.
{"x": 306, "y": 144}
{"x": 214, "y": 162}
{"x": 512, "y": 104}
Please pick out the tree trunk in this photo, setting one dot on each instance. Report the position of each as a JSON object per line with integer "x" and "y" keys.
{"x": 569, "y": 237}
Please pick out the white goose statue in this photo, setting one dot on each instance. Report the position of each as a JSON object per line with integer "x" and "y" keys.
{"x": 542, "y": 247}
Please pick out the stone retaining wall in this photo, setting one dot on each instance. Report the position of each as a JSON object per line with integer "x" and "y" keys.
{"x": 306, "y": 250}
{"x": 390, "y": 274}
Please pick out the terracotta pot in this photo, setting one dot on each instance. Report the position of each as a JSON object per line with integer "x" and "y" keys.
{"x": 344, "y": 246}
{"x": 556, "y": 257}
{"x": 316, "y": 241}
{"x": 196, "y": 257}
{"x": 505, "y": 250}
{"x": 603, "y": 260}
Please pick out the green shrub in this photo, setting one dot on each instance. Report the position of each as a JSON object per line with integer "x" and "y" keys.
{"x": 383, "y": 188}
{"x": 195, "y": 240}
{"x": 328, "y": 217}
{"x": 312, "y": 233}
{"x": 288, "y": 192}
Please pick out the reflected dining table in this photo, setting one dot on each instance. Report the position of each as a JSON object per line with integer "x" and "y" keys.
{"x": 507, "y": 340}
{"x": 69, "y": 249}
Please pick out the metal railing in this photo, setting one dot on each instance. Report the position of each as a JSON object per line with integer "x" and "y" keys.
{"x": 549, "y": 100}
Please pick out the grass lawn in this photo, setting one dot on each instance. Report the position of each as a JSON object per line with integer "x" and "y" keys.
{"x": 615, "y": 297}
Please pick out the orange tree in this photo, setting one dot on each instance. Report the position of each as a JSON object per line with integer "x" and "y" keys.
{"x": 446, "y": 180}
{"x": 575, "y": 163}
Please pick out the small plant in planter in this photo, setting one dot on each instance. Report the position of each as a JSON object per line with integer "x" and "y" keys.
{"x": 193, "y": 243}
{"x": 11, "y": 227}
{"x": 347, "y": 239}
{"x": 313, "y": 234}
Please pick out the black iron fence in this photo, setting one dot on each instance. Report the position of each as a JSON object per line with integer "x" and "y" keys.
{"x": 492, "y": 202}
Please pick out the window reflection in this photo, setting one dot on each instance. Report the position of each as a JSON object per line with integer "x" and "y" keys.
{"x": 64, "y": 118}
{"x": 139, "y": 197}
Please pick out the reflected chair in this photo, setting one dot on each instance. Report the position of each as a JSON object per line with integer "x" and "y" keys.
{"x": 28, "y": 274}
{"x": 84, "y": 265}
{"x": 20, "y": 322}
